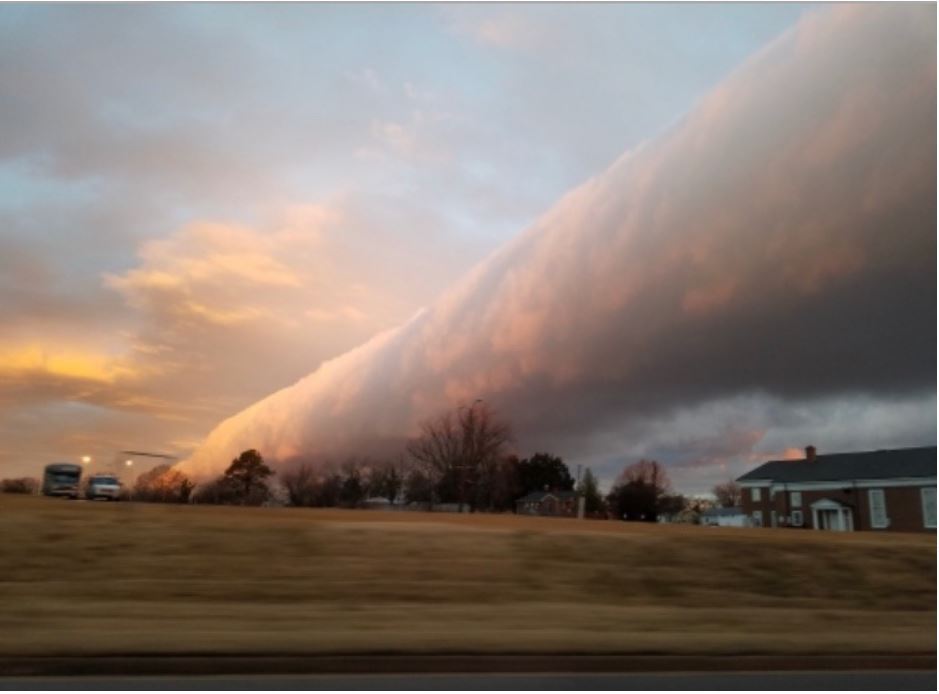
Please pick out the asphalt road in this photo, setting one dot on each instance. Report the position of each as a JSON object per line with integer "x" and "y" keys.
{"x": 883, "y": 680}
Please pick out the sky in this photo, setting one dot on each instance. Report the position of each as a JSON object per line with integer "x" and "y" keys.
{"x": 699, "y": 233}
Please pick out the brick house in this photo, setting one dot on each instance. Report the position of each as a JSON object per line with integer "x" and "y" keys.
{"x": 548, "y": 504}
{"x": 874, "y": 490}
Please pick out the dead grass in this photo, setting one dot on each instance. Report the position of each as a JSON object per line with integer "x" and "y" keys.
{"x": 135, "y": 578}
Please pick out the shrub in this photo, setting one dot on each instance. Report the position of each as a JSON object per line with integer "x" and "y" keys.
{"x": 163, "y": 484}
{"x": 20, "y": 485}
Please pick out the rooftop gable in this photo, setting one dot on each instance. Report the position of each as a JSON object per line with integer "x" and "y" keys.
{"x": 540, "y": 496}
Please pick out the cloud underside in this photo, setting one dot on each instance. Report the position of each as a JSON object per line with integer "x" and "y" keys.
{"x": 777, "y": 246}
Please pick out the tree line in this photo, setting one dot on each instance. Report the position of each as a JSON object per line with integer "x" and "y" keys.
{"x": 461, "y": 459}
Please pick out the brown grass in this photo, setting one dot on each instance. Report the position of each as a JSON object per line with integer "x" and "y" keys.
{"x": 81, "y": 578}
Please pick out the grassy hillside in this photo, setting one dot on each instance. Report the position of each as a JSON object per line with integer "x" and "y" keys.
{"x": 132, "y": 578}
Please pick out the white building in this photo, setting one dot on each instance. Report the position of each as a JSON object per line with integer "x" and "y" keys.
{"x": 732, "y": 517}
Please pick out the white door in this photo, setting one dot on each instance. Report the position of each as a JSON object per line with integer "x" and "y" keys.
{"x": 838, "y": 519}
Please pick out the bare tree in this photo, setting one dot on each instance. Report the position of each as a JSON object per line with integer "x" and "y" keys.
{"x": 329, "y": 480}
{"x": 355, "y": 482}
{"x": 728, "y": 494}
{"x": 436, "y": 450}
{"x": 459, "y": 452}
{"x": 302, "y": 485}
{"x": 387, "y": 480}
{"x": 484, "y": 439}
{"x": 639, "y": 490}
{"x": 418, "y": 488}
{"x": 163, "y": 484}
{"x": 648, "y": 472}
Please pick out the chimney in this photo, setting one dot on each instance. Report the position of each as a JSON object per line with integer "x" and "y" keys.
{"x": 810, "y": 454}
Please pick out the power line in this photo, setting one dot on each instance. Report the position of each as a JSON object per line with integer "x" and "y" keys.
{"x": 150, "y": 455}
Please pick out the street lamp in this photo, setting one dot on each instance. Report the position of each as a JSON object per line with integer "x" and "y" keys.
{"x": 128, "y": 462}
{"x": 86, "y": 459}
{"x": 464, "y": 464}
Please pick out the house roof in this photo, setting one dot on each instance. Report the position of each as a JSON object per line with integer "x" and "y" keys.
{"x": 539, "y": 496}
{"x": 903, "y": 462}
{"x": 730, "y": 511}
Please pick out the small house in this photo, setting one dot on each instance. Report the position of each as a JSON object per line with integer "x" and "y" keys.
{"x": 548, "y": 504}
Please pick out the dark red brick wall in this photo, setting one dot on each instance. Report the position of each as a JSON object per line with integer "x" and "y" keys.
{"x": 905, "y": 509}
{"x": 904, "y": 506}
{"x": 763, "y": 505}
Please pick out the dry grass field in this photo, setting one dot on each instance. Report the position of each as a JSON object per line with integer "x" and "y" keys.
{"x": 82, "y": 578}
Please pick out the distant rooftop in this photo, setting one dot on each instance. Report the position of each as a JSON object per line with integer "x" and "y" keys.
{"x": 720, "y": 512}
{"x": 902, "y": 462}
{"x": 540, "y": 496}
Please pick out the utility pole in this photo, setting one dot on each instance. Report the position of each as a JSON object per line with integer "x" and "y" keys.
{"x": 581, "y": 500}
{"x": 462, "y": 486}
{"x": 150, "y": 455}
{"x": 468, "y": 430}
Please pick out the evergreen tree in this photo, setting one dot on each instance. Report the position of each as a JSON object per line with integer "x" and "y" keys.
{"x": 247, "y": 476}
{"x": 590, "y": 490}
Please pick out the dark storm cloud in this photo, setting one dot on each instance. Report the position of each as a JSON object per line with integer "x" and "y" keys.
{"x": 127, "y": 128}
{"x": 780, "y": 241}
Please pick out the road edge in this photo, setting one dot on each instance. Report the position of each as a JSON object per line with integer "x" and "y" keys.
{"x": 299, "y": 664}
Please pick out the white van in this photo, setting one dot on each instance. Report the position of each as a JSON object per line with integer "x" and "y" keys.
{"x": 103, "y": 486}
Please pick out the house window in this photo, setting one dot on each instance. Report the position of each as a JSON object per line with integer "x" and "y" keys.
{"x": 928, "y": 495}
{"x": 795, "y": 499}
{"x": 755, "y": 494}
{"x": 878, "y": 505}
{"x": 797, "y": 520}
{"x": 758, "y": 518}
